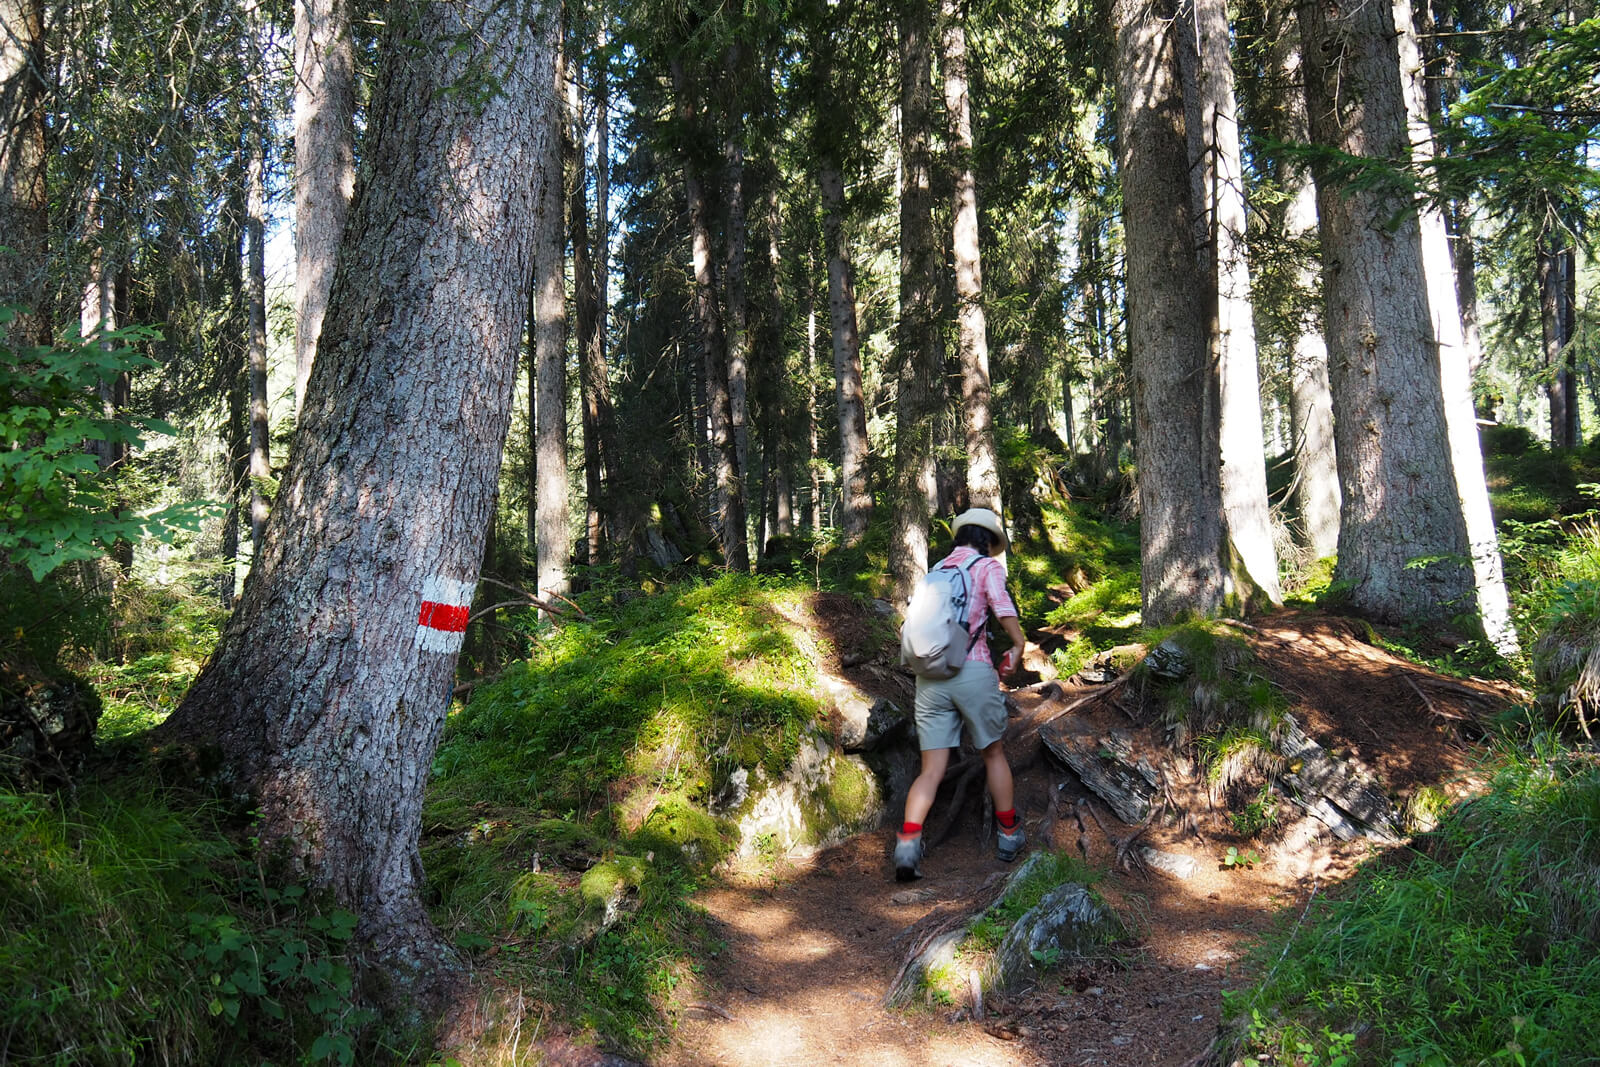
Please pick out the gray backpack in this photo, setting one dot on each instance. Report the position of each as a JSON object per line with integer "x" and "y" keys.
{"x": 934, "y": 640}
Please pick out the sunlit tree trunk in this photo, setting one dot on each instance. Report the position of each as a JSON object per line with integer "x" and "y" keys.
{"x": 728, "y": 477}
{"x": 983, "y": 468}
{"x": 552, "y": 537}
{"x": 327, "y": 694}
{"x": 918, "y": 352}
{"x": 1232, "y": 330}
{"x": 324, "y": 164}
{"x": 856, "y": 506}
{"x": 1316, "y": 486}
{"x": 1395, "y": 473}
{"x": 1455, "y": 360}
{"x": 1180, "y": 517}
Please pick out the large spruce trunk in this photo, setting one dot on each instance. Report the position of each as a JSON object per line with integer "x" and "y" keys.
{"x": 328, "y": 692}
{"x": 324, "y": 164}
{"x": 1248, "y": 523}
{"x": 1403, "y": 552}
{"x": 1180, "y": 503}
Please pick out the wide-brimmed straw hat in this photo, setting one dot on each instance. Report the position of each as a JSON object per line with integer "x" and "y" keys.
{"x": 988, "y": 520}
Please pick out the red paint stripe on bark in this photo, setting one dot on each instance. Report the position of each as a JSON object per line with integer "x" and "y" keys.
{"x": 450, "y": 618}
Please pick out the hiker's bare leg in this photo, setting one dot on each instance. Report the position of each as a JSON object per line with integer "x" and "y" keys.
{"x": 919, "y": 799}
{"x": 998, "y": 771}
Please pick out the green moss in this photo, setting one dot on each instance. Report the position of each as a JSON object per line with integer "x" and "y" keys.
{"x": 846, "y": 800}
{"x": 603, "y": 882}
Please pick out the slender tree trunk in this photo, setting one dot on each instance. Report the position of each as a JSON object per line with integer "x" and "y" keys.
{"x": 329, "y": 689}
{"x": 24, "y": 206}
{"x": 1316, "y": 490}
{"x": 1395, "y": 474}
{"x": 586, "y": 312}
{"x": 983, "y": 468}
{"x": 1455, "y": 360}
{"x": 849, "y": 397}
{"x": 552, "y": 534}
{"x": 324, "y": 164}
{"x": 1550, "y": 323}
{"x": 1181, "y": 534}
{"x": 1232, "y": 332}
{"x": 728, "y": 476}
{"x": 920, "y": 360}
{"x": 256, "y": 229}
{"x": 599, "y": 438}
{"x": 736, "y": 284}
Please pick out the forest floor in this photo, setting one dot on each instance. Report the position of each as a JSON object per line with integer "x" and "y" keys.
{"x": 813, "y": 944}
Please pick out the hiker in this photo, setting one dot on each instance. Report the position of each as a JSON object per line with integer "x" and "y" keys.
{"x": 971, "y": 696}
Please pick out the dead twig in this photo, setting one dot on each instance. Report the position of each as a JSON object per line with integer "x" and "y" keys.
{"x": 1125, "y": 848}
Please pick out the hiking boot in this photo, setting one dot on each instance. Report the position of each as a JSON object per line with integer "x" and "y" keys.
{"x": 1008, "y": 843}
{"x": 907, "y": 858}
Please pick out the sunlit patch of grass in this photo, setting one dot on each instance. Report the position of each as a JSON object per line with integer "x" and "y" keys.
{"x": 1479, "y": 948}
{"x": 606, "y": 748}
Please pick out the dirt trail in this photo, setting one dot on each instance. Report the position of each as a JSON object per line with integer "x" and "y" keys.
{"x": 812, "y": 946}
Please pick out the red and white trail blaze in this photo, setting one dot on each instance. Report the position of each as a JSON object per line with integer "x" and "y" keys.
{"x": 442, "y": 622}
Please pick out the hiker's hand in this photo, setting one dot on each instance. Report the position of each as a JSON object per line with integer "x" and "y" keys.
{"x": 1011, "y": 661}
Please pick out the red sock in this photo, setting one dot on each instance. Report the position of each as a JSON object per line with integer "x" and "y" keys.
{"x": 1007, "y": 818}
{"x": 910, "y": 829}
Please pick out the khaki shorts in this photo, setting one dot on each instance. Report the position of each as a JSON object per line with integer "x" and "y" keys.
{"x": 972, "y": 696}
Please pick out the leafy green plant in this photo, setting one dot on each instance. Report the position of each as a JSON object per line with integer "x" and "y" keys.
{"x": 56, "y": 505}
{"x": 1237, "y": 860}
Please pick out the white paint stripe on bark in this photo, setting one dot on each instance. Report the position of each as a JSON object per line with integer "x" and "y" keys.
{"x": 448, "y": 590}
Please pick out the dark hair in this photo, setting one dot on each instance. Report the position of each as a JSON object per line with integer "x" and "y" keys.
{"x": 976, "y": 537}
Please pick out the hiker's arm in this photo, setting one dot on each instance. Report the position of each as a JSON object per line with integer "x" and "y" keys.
{"x": 1019, "y": 643}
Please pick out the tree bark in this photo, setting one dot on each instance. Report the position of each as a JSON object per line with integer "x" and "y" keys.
{"x": 1399, "y": 500}
{"x": 1232, "y": 332}
{"x": 917, "y": 347}
{"x": 591, "y": 272}
{"x": 24, "y": 206}
{"x": 324, "y": 164}
{"x": 552, "y": 537}
{"x": 1316, "y": 491}
{"x": 329, "y": 689}
{"x": 1455, "y": 360}
{"x": 1181, "y": 534}
{"x": 983, "y": 466}
{"x": 850, "y": 400}
{"x": 727, "y": 475}
{"x": 736, "y": 279}
{"x": 256, "y": 285}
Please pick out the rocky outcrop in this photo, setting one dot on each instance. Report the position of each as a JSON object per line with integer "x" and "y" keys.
{"x": 820, "y": 799}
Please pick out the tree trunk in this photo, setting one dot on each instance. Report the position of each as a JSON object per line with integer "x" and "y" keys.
{"x": 328, "y": 692}
{"x": 552, "y": 540}
{"x": 736, "y": 283}
{"x": 1181, "y": 534}
{"x": 1455, "y": 361}
{"x": 1316, "y": 490}
{"x": 917, "y": 349}
{"x": 728, "y": 476}
{"x": 1402, "y": 540}
{"x": 983, "y": 467}
{"x": 594, "y": 376}
{"x": 324, "y": 164}
{"x": 1550, "y": 323}
{"x": 24, "y": 207}
{"x": 849, "y": 398}
{"x": 256, "y": 287}
{"x": 1232, "y": 333}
